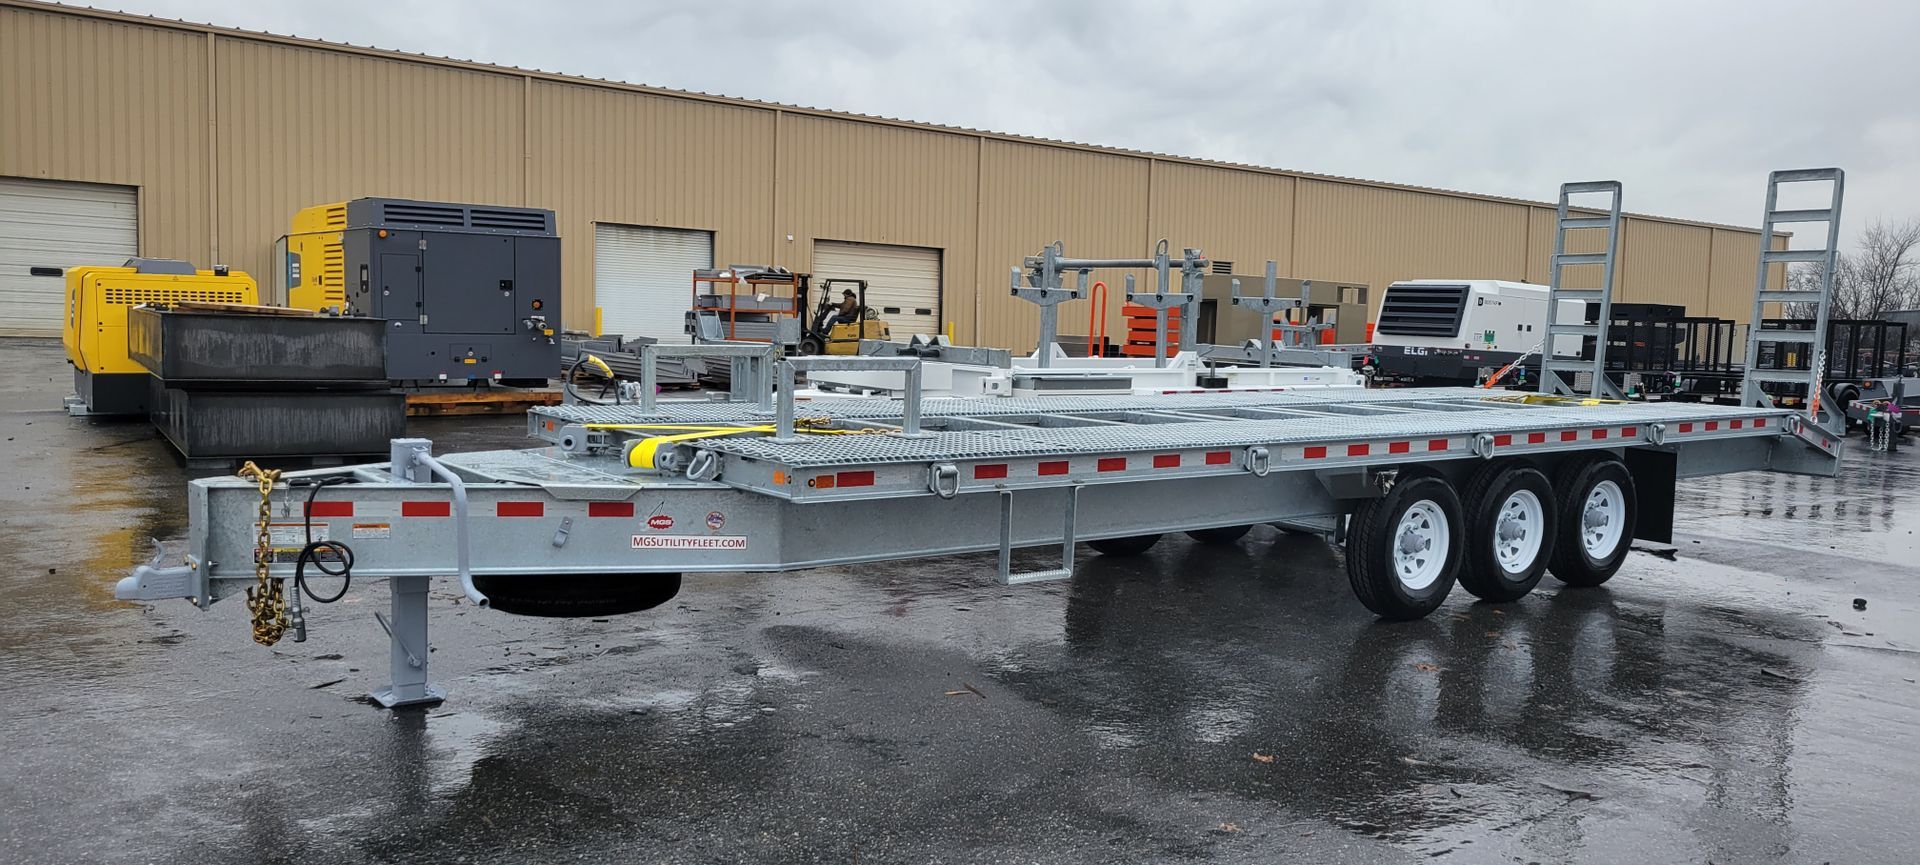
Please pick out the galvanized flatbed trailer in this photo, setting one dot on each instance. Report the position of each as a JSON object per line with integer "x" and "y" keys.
{"x": 1424, "y": 487}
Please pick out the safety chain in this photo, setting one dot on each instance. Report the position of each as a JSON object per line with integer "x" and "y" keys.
{"x": 267, "y": 599}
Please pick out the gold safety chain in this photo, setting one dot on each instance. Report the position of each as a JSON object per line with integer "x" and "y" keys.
{"x": 266, "y": 600}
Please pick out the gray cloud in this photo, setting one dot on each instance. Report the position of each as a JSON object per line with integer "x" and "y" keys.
{"x": 1689, "y": 103}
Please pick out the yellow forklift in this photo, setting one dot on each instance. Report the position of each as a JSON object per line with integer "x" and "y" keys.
{"x": 842, "y": 337}
{"x": 779, "y": 306}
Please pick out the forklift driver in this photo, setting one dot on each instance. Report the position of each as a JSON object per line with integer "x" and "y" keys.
{"x": 849, "y": 311}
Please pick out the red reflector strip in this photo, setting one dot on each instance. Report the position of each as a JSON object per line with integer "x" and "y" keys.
{"x": 426, "y": 509}
{"x": 1054, "y": 467}
{"x": 1736, "y": 424}
{"x": 865, "y": 478}
{"x": 1219, "y": 458}
{"x": 1166, "y": 461}
{"x": 1759, "y": 422}
{"x": 610, "y": 509}
{"x": 1536, "y": 438}
{"x": 520, "y": 509}
{"x": 1441, "y": 444}
{"x": 1630, "y": 432}
{"x": 1359, "y": 450}
{"x": 1503, "y": 440}
{"x": 1712, "y": 425}
{"x": 1567, "y": 435}
{"x": 1599, "y": 433}
{"x": 1686, "y": 427}
{"x": 330, "y": 509}
{"x": 1315, "y": 452}
{"x": 1399, "y": 447}
{"x": 980, "y": 473}
{"x": 1112, "y": 464}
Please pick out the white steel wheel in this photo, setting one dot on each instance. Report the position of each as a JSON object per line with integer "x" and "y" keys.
{"x": 1420, "y": 545}
{"x": 1601, "y": 519}
{"x": 1511, "y": 527}
{"x": 1403, "y": 549}
{"x": 1597, "y": 515}
{"x": 1517, "y": 530}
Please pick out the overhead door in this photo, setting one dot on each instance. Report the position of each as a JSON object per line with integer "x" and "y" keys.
{"x": 643, "y": 278}
{"x": 903, "y": 282}
{"x": 47, "y": 227}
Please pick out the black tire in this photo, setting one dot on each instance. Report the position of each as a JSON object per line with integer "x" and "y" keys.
{"x": 574, "y": 596}
{"x": 1844, "y": 395}
{"x": 1220, "y": 536}
{"x": 1374, "y": 534}
{"x": 1497, "y": 500}
{"x": 1132, "y": 546}
{"x": 811, "y": 346}
{"x": 1573, "y": 486}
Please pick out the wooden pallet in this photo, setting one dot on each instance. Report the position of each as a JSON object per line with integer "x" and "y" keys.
{"x": 447, "y": 402}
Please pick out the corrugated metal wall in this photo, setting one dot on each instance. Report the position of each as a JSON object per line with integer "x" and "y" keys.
{"x": 87, "y": 100}
{"x": 598, "y": 155}
{"x": 299, "y": 126}
{"x": 108, "y": 98}
{"x": 1032, "y": 195}
{"x": 1376, "y": 236}
{"x": 842, "y": 180}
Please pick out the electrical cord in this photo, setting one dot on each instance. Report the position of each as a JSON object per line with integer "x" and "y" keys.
{"x": 574, "y": 370}
{"x": 310, "y": 554}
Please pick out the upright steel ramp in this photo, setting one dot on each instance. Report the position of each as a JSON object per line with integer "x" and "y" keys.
{"x": 1771, "y": 342}
{"x": 1559, "y": 376}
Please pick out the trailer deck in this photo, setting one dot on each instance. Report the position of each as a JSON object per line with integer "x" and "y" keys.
{"x": 1016, "y": 443}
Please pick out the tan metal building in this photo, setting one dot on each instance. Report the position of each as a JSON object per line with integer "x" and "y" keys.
{"x": 121, "y": 133}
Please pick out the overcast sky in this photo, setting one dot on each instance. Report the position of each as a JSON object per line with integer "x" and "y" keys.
{"x": 1689, "y": 103}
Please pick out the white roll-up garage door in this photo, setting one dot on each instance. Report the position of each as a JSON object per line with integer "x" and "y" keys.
{"x": 903, "y": 282}
{"x": 643, "y": 278}
{"x": 47, "y": 227}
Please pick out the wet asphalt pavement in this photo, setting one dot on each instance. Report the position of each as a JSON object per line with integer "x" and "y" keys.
{"x": 1235, "y": 704}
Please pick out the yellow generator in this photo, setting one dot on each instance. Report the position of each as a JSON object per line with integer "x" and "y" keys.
{"x": 106, "y": 381}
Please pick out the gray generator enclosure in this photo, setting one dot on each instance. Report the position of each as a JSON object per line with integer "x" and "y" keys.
{"x": 470, "y": 293}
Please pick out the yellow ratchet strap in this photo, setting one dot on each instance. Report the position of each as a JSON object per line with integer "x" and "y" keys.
{"x": 642, "y": 456}
{"x": 1545, "y": 399}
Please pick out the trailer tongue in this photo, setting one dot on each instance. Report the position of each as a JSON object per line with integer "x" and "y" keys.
{"x": 1425, "y": 487}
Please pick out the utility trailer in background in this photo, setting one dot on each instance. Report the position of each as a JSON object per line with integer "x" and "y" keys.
{"x": 1424, "y": 487}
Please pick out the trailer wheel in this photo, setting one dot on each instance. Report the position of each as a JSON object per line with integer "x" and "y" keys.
{"x": 1132, "y": 546}
{"x": 1597, "y": 513}
{"x": 1220, "y": 536}
{"x": 1511, "y": 523}
{"x": 574, "y": 596}
{"x": 1403, "y": 549}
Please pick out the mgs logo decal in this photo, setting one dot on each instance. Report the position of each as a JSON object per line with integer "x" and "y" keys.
{"x": 661, "y": 522}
